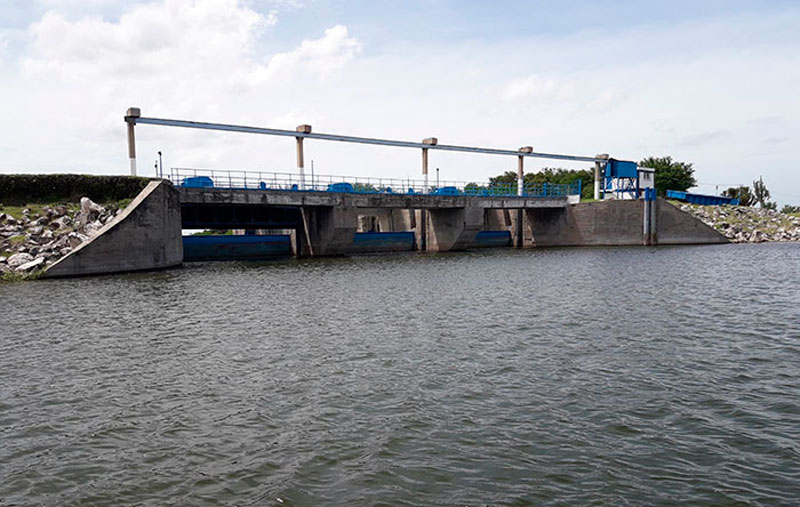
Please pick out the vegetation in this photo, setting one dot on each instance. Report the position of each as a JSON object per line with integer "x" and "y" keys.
{"x": 790, "y": 210}
{"x": 214, "y": 232}
{"x": 13, "y": 276}
{"x": 761, "y": 194}
{"x": 550, "y": 175}
{"x": 670, "y": 175}
{"x": 37, "y": 208}
{"x": 742, "y": 193}
{"x": 18, "y": 189}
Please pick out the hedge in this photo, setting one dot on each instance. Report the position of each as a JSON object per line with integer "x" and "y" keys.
{"x": 19, "y": 189}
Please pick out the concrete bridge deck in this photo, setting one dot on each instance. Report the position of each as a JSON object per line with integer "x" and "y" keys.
{"x": 210, "y": 196}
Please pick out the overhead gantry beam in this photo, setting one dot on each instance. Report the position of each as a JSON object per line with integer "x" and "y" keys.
{"x": 134, "y": 119}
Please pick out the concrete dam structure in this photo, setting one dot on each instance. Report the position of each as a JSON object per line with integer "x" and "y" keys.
{"x": 324, "y": 216}
{"x": 148, "y": 233}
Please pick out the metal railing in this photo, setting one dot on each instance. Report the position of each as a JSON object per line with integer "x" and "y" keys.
{"x": 258, "y": 180}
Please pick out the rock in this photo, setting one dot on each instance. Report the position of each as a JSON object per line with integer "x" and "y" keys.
{"x": 64, "y": 251}
{"x": 30, "y": 266}
{"x": 92, "y": 228}
{"x": 90, "y": 211}
{"x": 76, "y": 238}
{"x": 19, "y": 259}
{"x": 3, "y": 218}
{"x": 60, "y": 211}
{"x": 11, "y": 220}
{"x": 3, "y": 259}
{"x": 61, "y": 222}
{"x": 36, "y": 231}
{"x": 26, "y": 211}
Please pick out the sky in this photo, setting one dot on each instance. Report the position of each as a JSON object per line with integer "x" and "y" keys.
{"x": 715, "y": 83}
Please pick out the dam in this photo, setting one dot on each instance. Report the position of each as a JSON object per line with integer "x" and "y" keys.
{"x": 321, "y": 216}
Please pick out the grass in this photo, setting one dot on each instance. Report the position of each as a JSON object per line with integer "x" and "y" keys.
{"x": 213, "y": 233}
{"x": 37, "y": 208}
{"x": 13, "y": 276}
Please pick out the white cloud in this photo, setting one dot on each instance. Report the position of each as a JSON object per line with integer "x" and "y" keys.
{"x": 538, "y": 87}
{"x": 709, "y": 99}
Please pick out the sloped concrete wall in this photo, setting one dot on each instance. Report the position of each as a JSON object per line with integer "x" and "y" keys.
{"x": 610, "y": 223}
{"x": 146, "y": 235}
{"x": 676, "y": 227}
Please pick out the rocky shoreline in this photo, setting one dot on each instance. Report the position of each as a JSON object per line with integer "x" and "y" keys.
{"x": 744, "y": 224}
{"x": 35, "y": 240}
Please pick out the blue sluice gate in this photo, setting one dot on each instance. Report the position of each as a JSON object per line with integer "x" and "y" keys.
{"x": 383, "y": 242}
{"x": 253, "y": 247}
{"x": 222, "y": 248}
{"x": 488, "y": 239}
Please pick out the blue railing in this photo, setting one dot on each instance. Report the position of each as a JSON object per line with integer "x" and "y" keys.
{"x": 214, "y": 178}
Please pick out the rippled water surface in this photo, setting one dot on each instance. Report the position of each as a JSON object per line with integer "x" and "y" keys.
{"x": 558, "y": 376}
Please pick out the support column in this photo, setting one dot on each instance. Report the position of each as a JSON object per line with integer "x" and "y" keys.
{"x": 521, "y": 170}
{"x": 423, "y": 243}
{"x": 646, "y": 217}
{"x": 518, "y": 233}
{"x": 130, "y": 119}
{"x": 329, "y": 230}
{"x": 454, "y": 229}
{"x": 599, "y": 168}
{"x": 304, "y": 129}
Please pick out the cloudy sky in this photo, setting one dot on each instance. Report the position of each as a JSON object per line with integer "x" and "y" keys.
{"x": 715, "y": 82}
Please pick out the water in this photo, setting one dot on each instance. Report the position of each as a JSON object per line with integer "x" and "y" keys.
{"x": 559, "y": 376}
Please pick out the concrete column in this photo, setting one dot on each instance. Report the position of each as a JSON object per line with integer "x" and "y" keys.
{"x": 521, "y": 170}
{"x": 518, "y": 232}
{"x": 130, "y": 119}
{"x": 455, "y": 228}
{"x": 423, "y": 243}
{"x": 646, "y": 219}
{"x": 305, "y": 129}
{"x": 599, "y": 173}
{"x": 329, "y": 230}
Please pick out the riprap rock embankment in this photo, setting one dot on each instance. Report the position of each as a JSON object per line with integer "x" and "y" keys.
{"x": 743, "y": 224}
{"x": 35, "y": 240}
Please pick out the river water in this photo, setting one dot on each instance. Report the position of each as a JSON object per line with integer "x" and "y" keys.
{"x": 557, "y": 376}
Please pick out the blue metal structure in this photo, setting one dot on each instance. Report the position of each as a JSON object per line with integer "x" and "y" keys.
{"x": 197, "y": 182}
{"x": 622, "y": 177}
{"x": 706, "y": 200}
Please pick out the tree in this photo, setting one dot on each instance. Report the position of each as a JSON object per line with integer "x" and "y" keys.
{"x": 550, "y": 175}
{"x": 670, "y": 175}
{"x": 742, "y": 193}
{"x": 788, "y": 208}
{"x": 761, "y": 194}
